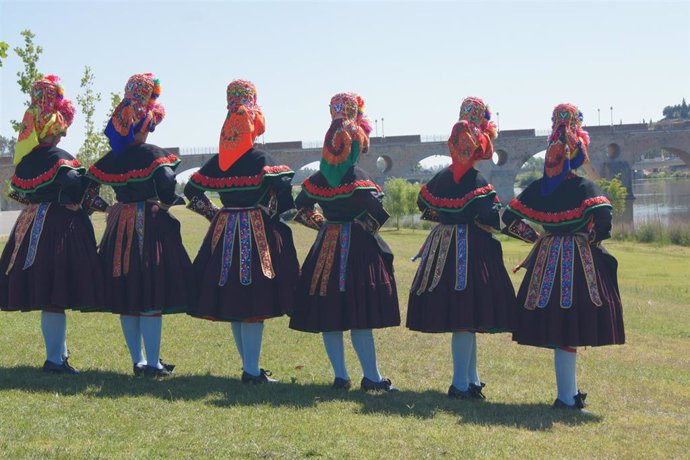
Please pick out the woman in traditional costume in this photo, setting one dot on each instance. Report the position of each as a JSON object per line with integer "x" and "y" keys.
{"x": 50, "y": 262}
{"x": 146, "y": 268}
{"x": 461, "y": 285}
{"x": 246, "y": 269}
{"x": 347, "y": 278}
{"x": 569, "y": 297}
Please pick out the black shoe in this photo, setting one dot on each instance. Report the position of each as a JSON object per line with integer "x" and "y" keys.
{"x": 383, "y": 385}
{"x": 476, "y": 390}
{"x": 263, "y": 377}
{"x": 154, "y": 372}
{"x": 455, "y": 393}
{"x": 342, "y": 384}
{"x": 63, "y": 368}
{"x": 167, "y": 366}
{"x": 579, "y": 403}
{"x": 139, "y": 368}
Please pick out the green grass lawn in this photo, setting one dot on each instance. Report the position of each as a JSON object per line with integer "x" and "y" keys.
{"x": 639, "y": 393}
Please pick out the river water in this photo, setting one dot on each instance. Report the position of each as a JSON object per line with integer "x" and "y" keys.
{"x": 662, "y": 200}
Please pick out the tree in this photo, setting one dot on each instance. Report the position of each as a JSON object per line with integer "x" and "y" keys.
{"x": 7, "y": 145}
{"x": 616, "y": 192}
{"x": 400, "y": 199}
{"x": 94, "y": 144}
{"x": 3, "y": 51}
{"x": 29, "y": 55}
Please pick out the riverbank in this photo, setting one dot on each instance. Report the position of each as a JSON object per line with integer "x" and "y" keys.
{"x": 638, "y": 392}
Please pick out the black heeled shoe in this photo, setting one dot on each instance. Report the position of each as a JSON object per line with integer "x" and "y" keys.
{"x": 476, "y": 390}
{"x": 384, "y": 385}
{"x": 154, "y": 372}
{"x": 579, "y": 403}
{"x": 455, "y": 393}
{"x": 263, "y": 377}
{"x": 341, "y": 384}
{"x": 139, "y": 369}
{"x": 63, "y": 368}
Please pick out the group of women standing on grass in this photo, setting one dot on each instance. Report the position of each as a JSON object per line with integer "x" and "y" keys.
{"x": 247, "y": 270}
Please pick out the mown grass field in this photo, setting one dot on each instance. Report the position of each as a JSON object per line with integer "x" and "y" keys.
{"x": 639, "y": 393}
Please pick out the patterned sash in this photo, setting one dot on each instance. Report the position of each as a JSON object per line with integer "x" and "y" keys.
{"x": 130, "y": 222}
{"x": 434, "y": 254}
{"x": 333, "y": 237}
{"x": 249, "y": 224}
{"x": 553, "y": 251}
{"x": 33, "y": 214}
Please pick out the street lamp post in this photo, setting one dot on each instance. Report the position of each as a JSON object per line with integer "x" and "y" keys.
{"x": 383, "y": 130}
{"x": 599, "y": 116}
{"x": 611, "y": 115}
{"x": 498, "y": 121}
{"x": 376, "y": 122}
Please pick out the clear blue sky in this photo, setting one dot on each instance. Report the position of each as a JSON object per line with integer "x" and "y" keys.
{"x": 412, "y": 61}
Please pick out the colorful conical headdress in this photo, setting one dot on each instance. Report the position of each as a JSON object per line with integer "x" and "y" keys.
{"x": 49, "y": 114}
{"x": 347, "y": 137}
{"x": 243, "y": 124}
{"x": 567, "y": 147}
{"x": 139, "y": 111}
{"x": 471, "y": 138}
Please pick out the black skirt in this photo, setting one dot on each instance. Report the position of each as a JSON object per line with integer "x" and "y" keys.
{"x": 50, "y": 262}
{"x": 146, "y": 267}
{"x": 569, "y": 297}
{"x": 346, "y": 283}
{"x": 246, "y": 268}
{"x": 461, "y": 283}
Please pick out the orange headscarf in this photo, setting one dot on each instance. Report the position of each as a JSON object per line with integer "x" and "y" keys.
{"x": 243, "y": 124}
{"x": 471, "y": 138}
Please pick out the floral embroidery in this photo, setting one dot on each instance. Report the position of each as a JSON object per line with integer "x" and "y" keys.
{"x": 537, "y": 272}
{"x": 558, "y": 217}
{"x": 344, "y": 253}
{"x": 446, "y": 236}
{"x": 27, "y": 185}
{"x": 245, "y": 249}
{"x": 342, "y": 191}
{"x": 324, "y": 262}
{"x": 218, "y": 230}
{"x": 135, "y": 174}
{"x": 139, "y": 226}
{"x": 36, "y": 232}
{"x": 567, "y": 261}
{"x": 550, "y": 272}
{"x": 461, "y": 257}
{"x": 589, "y": 270}
{"x": 257, "y": 221}
{"x": 456, "y": 204}
{"x": 203, "y": 206}
{"x": 238, "y": 182}
{"x": 228, "y": 246}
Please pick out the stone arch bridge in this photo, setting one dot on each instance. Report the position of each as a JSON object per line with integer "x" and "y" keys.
{"x": 401, "y": 154}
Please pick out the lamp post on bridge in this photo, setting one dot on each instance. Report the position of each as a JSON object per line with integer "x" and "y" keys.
{"x": 376, "y": 123}
{"x": 611, "y": 115}
{"x": 383, "y": 131}
{"x": 498, "y": 121}
{"x": 599, "y": 116}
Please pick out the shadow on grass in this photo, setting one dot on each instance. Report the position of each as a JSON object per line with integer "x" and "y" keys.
{"x": 228, "y": 392}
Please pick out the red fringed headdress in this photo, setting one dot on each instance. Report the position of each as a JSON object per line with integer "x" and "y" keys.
{"x": 471, "y": 138}
{"x": 243, "y": 124}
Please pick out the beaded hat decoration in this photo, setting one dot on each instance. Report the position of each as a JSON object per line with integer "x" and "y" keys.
{"x": 138, "y": 112}
{"x": 347, "y": 136}
{"x": 567, "y": 147}
{"x": 243, "y": 123}
{"x": 471, "y": 137}
{"x": 49, "y": 114}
